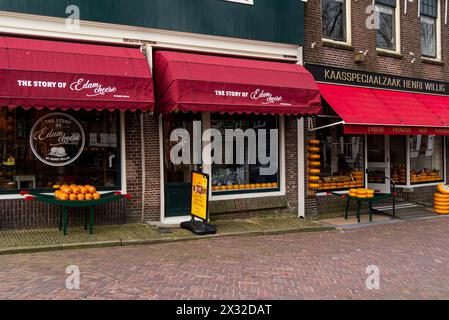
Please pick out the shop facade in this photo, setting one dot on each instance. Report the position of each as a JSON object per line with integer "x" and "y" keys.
{"x": 126, "y": 146}
{"x": 384, "y": 124}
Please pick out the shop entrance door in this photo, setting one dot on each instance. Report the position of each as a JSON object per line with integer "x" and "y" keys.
{"x": 378, "y": 151}
{"x": 178, "y": 176}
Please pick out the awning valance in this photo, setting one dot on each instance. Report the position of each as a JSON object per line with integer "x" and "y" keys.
{"x": 375, "y": 111}
{"x": 201, "y": 83}
{"x": 64, "y": 75}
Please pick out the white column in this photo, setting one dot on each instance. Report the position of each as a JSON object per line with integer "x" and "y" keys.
{"x": 301, "y": 170}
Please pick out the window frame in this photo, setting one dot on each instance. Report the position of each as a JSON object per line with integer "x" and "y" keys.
{"x": 438, "y": 38}
{"x": 6, "y": 194}
{"x": 348, "y": 25}
{"x": 206, "y": 117}
{"x": 255, "y": 191}
{"x": 397, "y": 27}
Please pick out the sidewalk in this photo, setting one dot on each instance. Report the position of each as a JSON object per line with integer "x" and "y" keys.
{"x": 41, "y": 240}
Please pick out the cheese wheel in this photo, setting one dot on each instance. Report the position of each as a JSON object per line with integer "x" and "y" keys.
{"x": 314, "y": 149}
{"x": 314, "y": 157}
{"x": 315, "y": 164}
{"x": 317, "y": 171}
{"x": 314, "y": 178}
{"x": 354, "y": 195}
{"x": 362, "y": 191}
{"x": 314, "y": 185}
{"x": 444, "y": 189}
{"x": 438, "y": 202}
{"x": 441, "y": 196}
{"x": 441, "y": 211}
{"x": 361, "y": 196}
{"x": 445, "y": 208}
{"x": 314, "y": 142}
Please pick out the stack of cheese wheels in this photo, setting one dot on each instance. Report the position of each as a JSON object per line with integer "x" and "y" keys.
{"x": 441, "y": 203}
{"x": 361, "y": 193}
{"x": 314, "y": 164}
{"x": 353, "y": 193}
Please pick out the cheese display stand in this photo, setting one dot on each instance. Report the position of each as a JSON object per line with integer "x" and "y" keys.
{"x": 90, "y": 205}
{"x": 365, "y": 196}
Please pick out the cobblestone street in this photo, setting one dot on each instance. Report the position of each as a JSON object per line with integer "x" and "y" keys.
{"x": 413, "y": 258}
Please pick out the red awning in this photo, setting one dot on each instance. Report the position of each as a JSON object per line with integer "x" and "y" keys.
{"x": 52, "y": 74}
{"x": 374, "y": 111}
{"x": 201, "y": 83}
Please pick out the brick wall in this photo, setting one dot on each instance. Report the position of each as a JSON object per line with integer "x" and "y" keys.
{"x": 145, "y": 205}
{"x": 364, "y": 39}
{"x": 291, "y": 162}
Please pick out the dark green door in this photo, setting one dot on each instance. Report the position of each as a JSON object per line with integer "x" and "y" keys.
{"x": 178, "y": 177}
{"x": 177, "y": 199}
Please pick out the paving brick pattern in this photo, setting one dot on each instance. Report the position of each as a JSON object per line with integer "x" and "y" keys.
{"x": 412, "y": 258}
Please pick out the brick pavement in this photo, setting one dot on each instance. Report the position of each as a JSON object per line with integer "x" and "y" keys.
{"x": 412, "y": 257}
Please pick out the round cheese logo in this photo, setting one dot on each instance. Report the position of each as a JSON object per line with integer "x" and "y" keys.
{"x": 57, "y": 139}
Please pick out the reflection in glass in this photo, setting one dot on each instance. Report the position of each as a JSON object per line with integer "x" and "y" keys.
{"x": 334, "y": 19}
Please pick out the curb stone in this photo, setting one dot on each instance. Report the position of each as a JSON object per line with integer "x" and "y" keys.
{"x": 136, "y": 242}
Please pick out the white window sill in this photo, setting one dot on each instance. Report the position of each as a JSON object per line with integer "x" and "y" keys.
{"x": 395, "y": 53}
{"x": 247, "y": 196}
{"x": 337, "y": 43}
{"x": 432, "y": 60}
{"x": 411, "y": 187}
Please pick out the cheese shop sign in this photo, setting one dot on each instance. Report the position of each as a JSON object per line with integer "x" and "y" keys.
{"x": 57, "y": 139}
{"x": 327, "y": 74}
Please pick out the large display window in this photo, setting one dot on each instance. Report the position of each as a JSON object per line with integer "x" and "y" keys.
{"x": 398, "y": 159}
{"x": 342, "y": 158}
{"x": 245, "y": 175}
{"x": 40, "y": 149}
{"x": 426, "y": 159}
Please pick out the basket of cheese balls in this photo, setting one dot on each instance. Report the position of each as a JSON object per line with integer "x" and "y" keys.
{"x": 76, "y": 193}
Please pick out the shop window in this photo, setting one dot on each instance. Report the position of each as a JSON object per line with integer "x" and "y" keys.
{"x": 426, "y": 159}
{"x": 246, "y": 176}
{"x": 429, "y": 20}
{"x": 334, "y": 19}
{"x": 398, "y": 156}
{"x": 386, "y": 32}
{"x": 39, "y": 162}
{"x": 342, "y": 158}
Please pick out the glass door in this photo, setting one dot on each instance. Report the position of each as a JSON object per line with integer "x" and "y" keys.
{"x": 378, "y": 151}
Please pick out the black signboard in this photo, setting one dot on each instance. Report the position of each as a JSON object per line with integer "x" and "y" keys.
{"x": 326, "y": 74}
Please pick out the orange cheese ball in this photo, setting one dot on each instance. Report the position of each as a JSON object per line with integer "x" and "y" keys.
{"x": 81, "y": 197}
{"x": 88, "y": 196}
{"x": 96, "y": 196}
{"x": 73, "y": 197}
{"x": 91, "y": 190}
